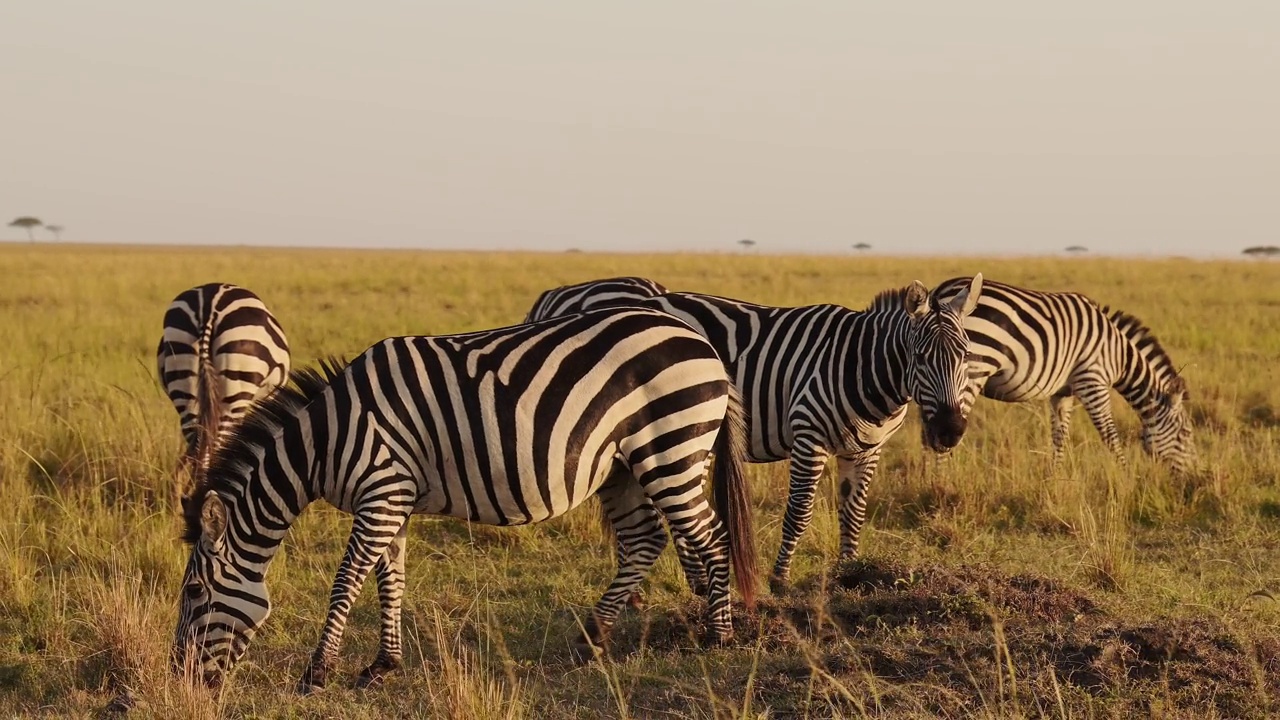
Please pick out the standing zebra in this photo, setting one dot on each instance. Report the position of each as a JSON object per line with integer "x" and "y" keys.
{"x": 503, "y": 427}
{"x": 221, "y": 350}
{"x": 1030, "y": 345}
{"x": 822, "y": 380}
{"x": 595, "y": 293}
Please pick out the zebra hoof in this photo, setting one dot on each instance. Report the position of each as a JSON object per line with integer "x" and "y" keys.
{"x": 372, "y": 676}
{"x": 583, "y": 650}
{"x": 779, "y": 584}
{"x": 313, "y": 679}
{"x": 592, "y": 643}
{"x": 715, "y": 639}
{"x": 636, "y": 600}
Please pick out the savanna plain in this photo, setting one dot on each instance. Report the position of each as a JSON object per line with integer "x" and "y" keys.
{"x": 989, "y": 587}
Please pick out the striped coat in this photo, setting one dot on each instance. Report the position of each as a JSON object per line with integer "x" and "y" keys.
{"x": 503, "y": 427}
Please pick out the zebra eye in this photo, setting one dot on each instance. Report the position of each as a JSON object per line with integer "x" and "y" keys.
{"x": 193, "y": 590}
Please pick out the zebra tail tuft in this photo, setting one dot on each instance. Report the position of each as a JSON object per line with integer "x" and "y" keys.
{"x": 733, "y": 497}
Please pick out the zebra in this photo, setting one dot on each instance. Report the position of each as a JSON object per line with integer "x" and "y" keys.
{"x": 221, "y": 350}
{"x": 595, "y": 293}
{"x": 1061, "y": 346}
{"x": 822, "y": 380}
{"x": 503, "y": 427}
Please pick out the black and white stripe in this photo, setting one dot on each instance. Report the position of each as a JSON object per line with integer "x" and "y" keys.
{"x": 823, "y": 380}
{"x": 1059, "y": 346}
{"x": 504, "y": 427}
{"x": 220, "y": 351}
{"x": 595, "y": 293}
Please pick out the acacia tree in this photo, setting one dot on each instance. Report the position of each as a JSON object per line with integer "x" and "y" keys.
{"x": 862, "y": 247}
{"x": 56, "y": 230}
{"x": 1077, "y": 249}
{"x": 1262, "y": 251}
{"x": 28, "y": 223}
{"x": 747, "y": 243}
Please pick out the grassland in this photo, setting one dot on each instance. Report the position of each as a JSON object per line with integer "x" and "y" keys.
{"x": 992, "y": 588}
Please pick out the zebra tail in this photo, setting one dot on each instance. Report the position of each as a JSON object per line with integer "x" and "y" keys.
{"x": 733, "y": 496}
{"x": 210, "y": 411}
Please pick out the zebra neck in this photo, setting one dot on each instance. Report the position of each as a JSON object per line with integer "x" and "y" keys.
{"x": 882, "y": 336}
{"x": 260, "y": 514}
{"x": 1137, "y": 382}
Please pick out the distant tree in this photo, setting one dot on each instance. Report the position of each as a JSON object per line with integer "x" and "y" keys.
{"x": 862, "y": 247}
{"x": 56, "y": 230}
{"x": 1262, "y": 251}
{"x": 1077, "y": 249}
{"x": 747, "y": 243}
{"x": 28, "y": 223}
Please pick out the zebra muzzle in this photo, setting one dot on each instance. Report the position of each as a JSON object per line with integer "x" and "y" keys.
{"x": 945, "y": 428}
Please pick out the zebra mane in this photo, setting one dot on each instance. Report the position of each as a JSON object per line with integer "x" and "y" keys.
{"x": 258, "y": 428}
{"x": 1144, "y": 340}
{"x": 894, "y": 300}
{"x": 888, "y": 300}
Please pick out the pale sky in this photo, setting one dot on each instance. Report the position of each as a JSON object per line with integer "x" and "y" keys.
{"x": 982, "y": 126}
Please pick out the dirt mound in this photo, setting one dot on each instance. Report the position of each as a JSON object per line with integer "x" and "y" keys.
{"x": 896, "y": 594}
{"x": 960, "y": 636}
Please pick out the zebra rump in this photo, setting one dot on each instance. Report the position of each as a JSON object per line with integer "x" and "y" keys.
{"x": 221, "y": 350}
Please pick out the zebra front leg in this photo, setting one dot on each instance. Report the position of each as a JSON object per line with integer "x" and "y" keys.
{"x": 807, "y": 461}
{"x": 641, "y": 539}
{"x": 1096, "y": 398}
{"x": 390, "y": 574}
{"x": 373, "y": 531}
{"x": 1061, "y": 406}
{"x": 855, "y": 472}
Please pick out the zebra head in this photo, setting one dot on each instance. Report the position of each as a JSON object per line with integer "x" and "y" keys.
{"x": 1166, "y": 427}
{"x": 938, "y": 365}
{"x": 222, "y": 604}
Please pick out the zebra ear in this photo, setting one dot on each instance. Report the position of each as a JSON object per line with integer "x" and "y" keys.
{"x": 916, "y": 301}
{"x": 964, "y": 302}
{"x": 213, "y": 519}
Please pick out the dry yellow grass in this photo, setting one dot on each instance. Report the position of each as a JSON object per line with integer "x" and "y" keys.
{"x": 89, "y": 562}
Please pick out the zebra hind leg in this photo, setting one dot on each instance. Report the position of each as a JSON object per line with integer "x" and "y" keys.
{"x": 641, "y": 539}
{"x": 390, "y": 574}
{"x": 695, "y": 572}
{"x": 707, "y": 538}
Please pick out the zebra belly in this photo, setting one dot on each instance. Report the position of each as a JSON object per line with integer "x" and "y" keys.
{"x": 495, "y": 500}
{"x": 1014, "y": 387}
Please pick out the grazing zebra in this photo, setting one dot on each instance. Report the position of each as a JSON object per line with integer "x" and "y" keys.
{"x": 1028, "y": 345}
{"x": 823, "y": 380}
{"x": 595, "y": 293}
{"x": 502, "y": 427}
{"x": 221, "y": 350}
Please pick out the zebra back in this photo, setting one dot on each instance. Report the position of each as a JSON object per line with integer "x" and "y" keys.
{"x": 592, "y": 294}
